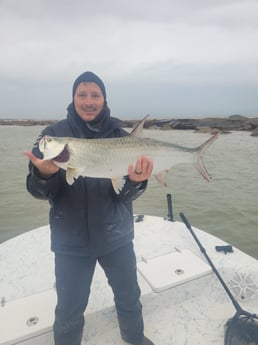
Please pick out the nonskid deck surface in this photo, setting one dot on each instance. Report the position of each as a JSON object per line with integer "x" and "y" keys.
{"x": 181, "y": 304}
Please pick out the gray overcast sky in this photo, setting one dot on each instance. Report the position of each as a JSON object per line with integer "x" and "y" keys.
{"x": 162, "y": 57}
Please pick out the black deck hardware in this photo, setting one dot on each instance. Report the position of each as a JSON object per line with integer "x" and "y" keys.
{"x": 170, "y": 216}
{"x": 139, "y": 218}
{"x": 226, "y": 249}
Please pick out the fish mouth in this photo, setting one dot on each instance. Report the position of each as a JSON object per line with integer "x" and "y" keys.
{"x": 63, "y": 156}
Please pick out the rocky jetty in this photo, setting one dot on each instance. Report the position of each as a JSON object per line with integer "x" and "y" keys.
{"x": 207, "y": 125}
{"x": 10, "y": 122}
{"x": 204, "y": 125}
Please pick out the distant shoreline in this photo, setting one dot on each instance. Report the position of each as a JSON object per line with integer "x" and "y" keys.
{"x": 208, "y": 124}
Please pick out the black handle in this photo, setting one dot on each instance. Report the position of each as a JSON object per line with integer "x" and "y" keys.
{"x": 226, "y": 249}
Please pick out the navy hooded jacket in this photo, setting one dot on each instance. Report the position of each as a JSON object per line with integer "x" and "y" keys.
{"x": 87, "y": 217}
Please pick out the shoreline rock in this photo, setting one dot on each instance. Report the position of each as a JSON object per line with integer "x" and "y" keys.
{"x": 201, "y": 125}
{"x": 14, "y": 122}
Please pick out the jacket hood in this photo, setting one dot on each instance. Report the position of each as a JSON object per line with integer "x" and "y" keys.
{"x": 100, "y": 127}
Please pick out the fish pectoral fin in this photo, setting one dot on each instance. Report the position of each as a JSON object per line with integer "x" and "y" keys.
{"x": 71, "y": 175}
{"x": 118, "y": 183}
{"x": 161, "y": 177}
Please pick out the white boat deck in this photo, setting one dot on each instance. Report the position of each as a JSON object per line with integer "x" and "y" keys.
{"x": 183, "y": 302}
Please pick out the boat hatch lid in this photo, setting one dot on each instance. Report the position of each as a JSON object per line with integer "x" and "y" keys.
{"x": 27, "y": 317}
{"x": 169, "y": 270}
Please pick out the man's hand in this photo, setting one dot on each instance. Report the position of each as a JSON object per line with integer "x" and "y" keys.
{"x": 46, "y": 168}
{"x": 142, "y": 170}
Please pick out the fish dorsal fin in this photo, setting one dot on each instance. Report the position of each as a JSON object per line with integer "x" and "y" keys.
{"x": 138, "y": 130}
{"x": 118, "y": 183}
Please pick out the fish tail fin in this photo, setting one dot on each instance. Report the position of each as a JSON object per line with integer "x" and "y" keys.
{"x": 199, "y": 164}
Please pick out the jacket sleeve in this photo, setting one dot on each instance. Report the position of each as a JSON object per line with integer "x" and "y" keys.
{"x": 37, "y": 186}
{"x": 44, "y": 189}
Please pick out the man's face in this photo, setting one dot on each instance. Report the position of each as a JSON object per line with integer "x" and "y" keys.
{"x": 88, "y": 101}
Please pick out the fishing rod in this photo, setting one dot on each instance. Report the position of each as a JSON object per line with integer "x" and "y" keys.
{"x": 242, "y": 328}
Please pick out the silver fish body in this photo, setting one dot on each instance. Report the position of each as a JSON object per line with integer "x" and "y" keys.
{"x": 110, "y": 157}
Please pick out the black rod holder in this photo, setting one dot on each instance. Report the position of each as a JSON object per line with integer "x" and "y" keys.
{"x": 170, "y": 216}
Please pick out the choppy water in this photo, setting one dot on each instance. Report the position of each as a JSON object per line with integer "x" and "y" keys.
{"x": 227, "y": 207}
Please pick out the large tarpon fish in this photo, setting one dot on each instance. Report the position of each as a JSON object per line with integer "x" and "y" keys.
{"x": 110, "y": 157}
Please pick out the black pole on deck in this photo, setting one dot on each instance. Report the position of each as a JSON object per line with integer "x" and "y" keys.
{"x": 170, "y": 216}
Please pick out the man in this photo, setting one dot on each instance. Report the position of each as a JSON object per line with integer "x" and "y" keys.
{"x": 89, "y": 222}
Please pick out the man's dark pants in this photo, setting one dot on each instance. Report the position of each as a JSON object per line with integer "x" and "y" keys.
{"x": 73, "y": 279}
